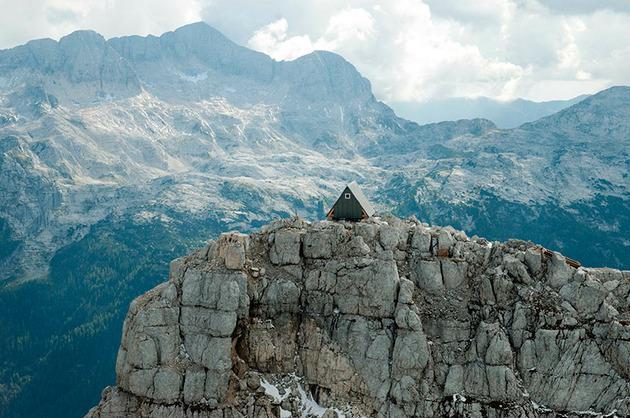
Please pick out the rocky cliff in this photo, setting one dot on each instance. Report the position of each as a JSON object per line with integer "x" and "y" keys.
{"x": 378, "y": 318}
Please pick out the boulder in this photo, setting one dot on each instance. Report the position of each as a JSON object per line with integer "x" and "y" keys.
{"x": 533, "y": 259}
{"x": 405, "y": 294}
{"x": 231, "y": 249}
{"x": 318, "y": 244}
{"x": 454, "y": 273}
{"x": 559, "y": 271}
{"x": 388, "y": 237}
{"x": 427, "y": 275}
{"x": 421, "y": 239}
{"x": 445, "y": 242}
{"x": 286, "y": 247}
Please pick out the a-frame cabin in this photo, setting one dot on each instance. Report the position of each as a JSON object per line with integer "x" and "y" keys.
{"x": 352, "y": 205}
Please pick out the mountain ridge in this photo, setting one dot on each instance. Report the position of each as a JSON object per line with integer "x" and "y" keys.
{"x": 209, "y": 48}
{"x": 506, "y": 114}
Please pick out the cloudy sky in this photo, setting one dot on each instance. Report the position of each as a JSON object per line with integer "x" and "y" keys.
{"x": 411, "y": 50}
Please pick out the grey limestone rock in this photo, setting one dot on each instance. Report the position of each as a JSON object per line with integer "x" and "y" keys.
{"x": 533, "y": 259}
{"x": 369, "y": 291}
{"x": 405, "y": 294}
{"x": 453, "y": 273}
{"x": 231, "y": 248}
{"x": 445, "y": 241}
{"x": 357, "y": 247}
{"x": 369, "y": 319}
{"x": 318, "y": 244}
{"x": 421, "y": 239}
{"x": 286, "y": 247}
{"x": 389, "y": 237}
{"x": 559, "y": 271}
{"x": 427, "y": 275}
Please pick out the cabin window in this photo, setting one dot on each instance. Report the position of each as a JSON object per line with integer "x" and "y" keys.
{"x": 347, "y": 195}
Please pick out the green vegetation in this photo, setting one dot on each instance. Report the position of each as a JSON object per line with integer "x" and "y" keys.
{"x": 60, "y": 337}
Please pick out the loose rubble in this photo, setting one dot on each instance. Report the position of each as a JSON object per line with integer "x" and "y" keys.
{"x": 381, "y": 318}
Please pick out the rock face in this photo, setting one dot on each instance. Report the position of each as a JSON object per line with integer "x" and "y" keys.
{"x": 384, "y": 318}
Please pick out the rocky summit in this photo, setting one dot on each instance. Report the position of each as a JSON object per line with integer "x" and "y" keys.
{"x": 380, "y": 318}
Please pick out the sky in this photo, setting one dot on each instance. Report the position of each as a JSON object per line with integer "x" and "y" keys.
{"x": 411, "y": 50}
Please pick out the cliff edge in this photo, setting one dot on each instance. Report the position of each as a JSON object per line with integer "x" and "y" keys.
{"x": 386, "y": 318}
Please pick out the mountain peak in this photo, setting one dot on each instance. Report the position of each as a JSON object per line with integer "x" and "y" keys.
{"x": 614, "y": 90}
{"x": 615, "y": 96}
{"x": 80, "y": 68}
{"x": 605, "y": 114}
{"x": 198, "y": 27}
{"x": 325, "y": 73}
{"x": 83, "y": 36}
{"x": 200, "y": 32}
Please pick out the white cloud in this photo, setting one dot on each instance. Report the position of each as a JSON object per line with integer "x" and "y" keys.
{"x": 422, "y": 49}
{"x": 400, "y": 47}
{"x": 24, "y": 20}
{"x": 349, "y": 25}
{"x": 345, "y": 27}
{"x": 587, "y": 6}
{"x": 272, "y": 39}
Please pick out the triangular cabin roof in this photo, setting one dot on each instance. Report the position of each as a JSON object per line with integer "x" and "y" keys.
{"x": 356, "y": 207}
{"x": 363, "y": 200}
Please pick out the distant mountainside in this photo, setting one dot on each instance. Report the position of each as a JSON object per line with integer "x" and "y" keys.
{"x": 505, "y": 114}
{"x": 119, "y": 155}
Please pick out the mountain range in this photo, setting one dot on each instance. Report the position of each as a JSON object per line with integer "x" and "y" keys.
{"x": 119, "y": 155}
{"x": 504, "y": 113}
